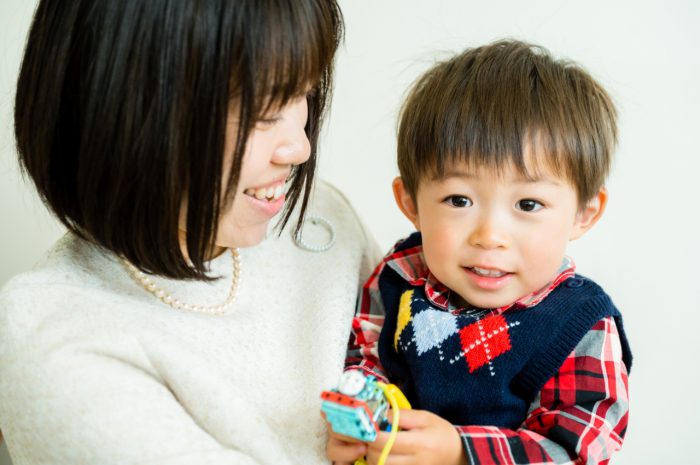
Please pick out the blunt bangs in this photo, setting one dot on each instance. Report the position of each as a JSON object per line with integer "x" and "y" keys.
{"x": 508, "y": 104}
{"x": 300, "y": 40}
{"x": 131, "y": 124}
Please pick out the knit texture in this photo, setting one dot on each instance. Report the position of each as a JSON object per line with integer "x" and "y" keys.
{"x": 478, "y": 367}
{"x": 95, "y": 370}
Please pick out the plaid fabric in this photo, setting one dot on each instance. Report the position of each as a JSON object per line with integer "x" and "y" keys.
{"x": 579, "y": 416}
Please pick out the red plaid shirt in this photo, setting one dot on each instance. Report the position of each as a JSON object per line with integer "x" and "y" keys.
{"x": 580, "y": 415}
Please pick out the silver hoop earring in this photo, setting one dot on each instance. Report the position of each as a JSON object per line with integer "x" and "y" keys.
{"x": 316, "y": 220}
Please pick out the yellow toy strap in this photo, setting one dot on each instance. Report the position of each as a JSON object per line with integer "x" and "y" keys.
{"x": 397, "y": 400}
{"x": 393, "y": 391}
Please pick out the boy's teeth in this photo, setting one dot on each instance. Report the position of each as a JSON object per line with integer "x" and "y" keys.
{"x": 260, "y": 193}
{"x": 488, "y": 273}
{"x": 278, "y": 192}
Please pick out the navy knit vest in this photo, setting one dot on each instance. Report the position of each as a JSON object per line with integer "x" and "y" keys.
{"x": 478, "y": 368}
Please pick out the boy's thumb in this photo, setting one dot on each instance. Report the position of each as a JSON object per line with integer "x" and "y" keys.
{"x": 410, "y": 419}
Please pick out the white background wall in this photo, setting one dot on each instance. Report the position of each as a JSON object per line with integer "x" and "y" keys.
{"x": 644, "y": 251}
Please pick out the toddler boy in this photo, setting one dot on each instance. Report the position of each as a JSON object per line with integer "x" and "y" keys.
{"x": 506, "y": 354}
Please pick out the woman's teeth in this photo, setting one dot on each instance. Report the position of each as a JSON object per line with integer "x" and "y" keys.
{"x": 487, "y": 273}
{"x": 269, "y": 193}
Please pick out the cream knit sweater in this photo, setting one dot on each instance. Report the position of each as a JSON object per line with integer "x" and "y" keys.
{"x": 95, "y": 370}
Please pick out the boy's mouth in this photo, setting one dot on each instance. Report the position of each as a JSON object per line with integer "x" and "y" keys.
{"x": 487, "y": 272}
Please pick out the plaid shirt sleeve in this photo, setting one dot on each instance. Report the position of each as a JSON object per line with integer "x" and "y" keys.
{"x": 362, "y": 350}
{"x": 580, "y": 415}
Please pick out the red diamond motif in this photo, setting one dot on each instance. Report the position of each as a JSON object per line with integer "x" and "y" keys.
{"x": 484, "y": 340}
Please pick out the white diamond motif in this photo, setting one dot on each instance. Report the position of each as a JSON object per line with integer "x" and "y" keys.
{"x": 431, "y": 328}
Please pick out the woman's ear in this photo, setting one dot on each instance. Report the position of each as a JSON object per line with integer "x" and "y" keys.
{"x": 405, "y": 202}
{"x": 590, "y": 214}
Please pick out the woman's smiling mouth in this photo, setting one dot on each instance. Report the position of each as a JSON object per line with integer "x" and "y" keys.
{"x": 269, "y": 198}
{"x": 271, "y": 192}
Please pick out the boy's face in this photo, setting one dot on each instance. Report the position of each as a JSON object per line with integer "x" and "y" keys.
{"x": 494, "y": 239}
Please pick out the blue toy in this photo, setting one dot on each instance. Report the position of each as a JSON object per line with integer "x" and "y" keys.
{"x": 358, "y": 408}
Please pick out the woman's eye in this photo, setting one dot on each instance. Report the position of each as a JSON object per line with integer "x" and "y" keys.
{"x": 459, "y": 201}
{"x": 528, "y": 205}
{"x": 268, "y": 121}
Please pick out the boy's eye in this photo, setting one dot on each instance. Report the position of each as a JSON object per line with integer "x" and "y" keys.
{"x": 528, "y": 205}
{"x": 459, "y": 201}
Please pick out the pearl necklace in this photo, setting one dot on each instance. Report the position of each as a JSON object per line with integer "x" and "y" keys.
{"x": 148, "y": 284}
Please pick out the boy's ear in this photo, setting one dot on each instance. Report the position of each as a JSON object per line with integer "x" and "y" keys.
{"x": 405, "y": 201}
{"x": 590, "y": 214}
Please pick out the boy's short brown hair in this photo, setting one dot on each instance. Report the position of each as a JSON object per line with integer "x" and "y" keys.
{"x": 485, "y": 105}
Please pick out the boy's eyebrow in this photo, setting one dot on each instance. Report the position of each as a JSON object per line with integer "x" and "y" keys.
{"x": 519, "y": 178}
{"x": 456, "y": 173}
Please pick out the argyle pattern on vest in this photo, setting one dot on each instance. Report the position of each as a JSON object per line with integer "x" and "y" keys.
{"x": 477, "y": 367}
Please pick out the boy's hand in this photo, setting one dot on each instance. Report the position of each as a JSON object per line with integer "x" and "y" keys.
{"x": 344, "y": 450}
{"x": 424, "y": 439}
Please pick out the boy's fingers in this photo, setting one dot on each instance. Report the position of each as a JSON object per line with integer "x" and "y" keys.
{"x": 412, "y": 419}
{"x": 343, "y": 451}
{"x": 402, "y": 445}
{"x": 341, "y": 437}
{"x": 396, "y": 455}
{"x": 411, "y": 422}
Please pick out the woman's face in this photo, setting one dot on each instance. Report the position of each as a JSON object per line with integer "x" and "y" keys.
{"x": 275, "y": 145}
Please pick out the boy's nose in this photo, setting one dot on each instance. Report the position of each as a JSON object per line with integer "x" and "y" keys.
{"x": 489, "y": 234}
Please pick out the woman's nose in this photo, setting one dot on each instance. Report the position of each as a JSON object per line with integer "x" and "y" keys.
{"x": 489, "y": 233}
{"x": 294, "y": 147}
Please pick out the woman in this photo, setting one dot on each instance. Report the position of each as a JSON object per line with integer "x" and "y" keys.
{"x": 168, "y": 136}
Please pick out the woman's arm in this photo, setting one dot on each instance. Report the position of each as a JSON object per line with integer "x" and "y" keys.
{"x": 369, "y": 312}
{"x": 366, "y": 327}
{"x": 100, "y": 409}
{"x": 67, "y": 398}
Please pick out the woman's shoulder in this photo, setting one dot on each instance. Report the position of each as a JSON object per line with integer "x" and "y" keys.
{"x": 331, "y": 204}
{"x": 71, "y": 261}
{"x": 71, "y": 271}
{"x": 331, "y": 245}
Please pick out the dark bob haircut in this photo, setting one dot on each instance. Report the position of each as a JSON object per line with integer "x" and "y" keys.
{"x": 485, "y": 105}
{"x": 121, "y": 108}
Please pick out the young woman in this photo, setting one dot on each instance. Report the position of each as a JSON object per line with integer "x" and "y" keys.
{"x": 172, "y": 324}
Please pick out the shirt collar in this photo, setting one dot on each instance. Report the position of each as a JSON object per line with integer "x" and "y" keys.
{"x": 411, "y": 266}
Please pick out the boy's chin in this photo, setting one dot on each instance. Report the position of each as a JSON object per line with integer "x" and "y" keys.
{"x": 486, "y": 302}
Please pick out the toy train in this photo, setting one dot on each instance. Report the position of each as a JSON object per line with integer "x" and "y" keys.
{"x": 358, "y": 406}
